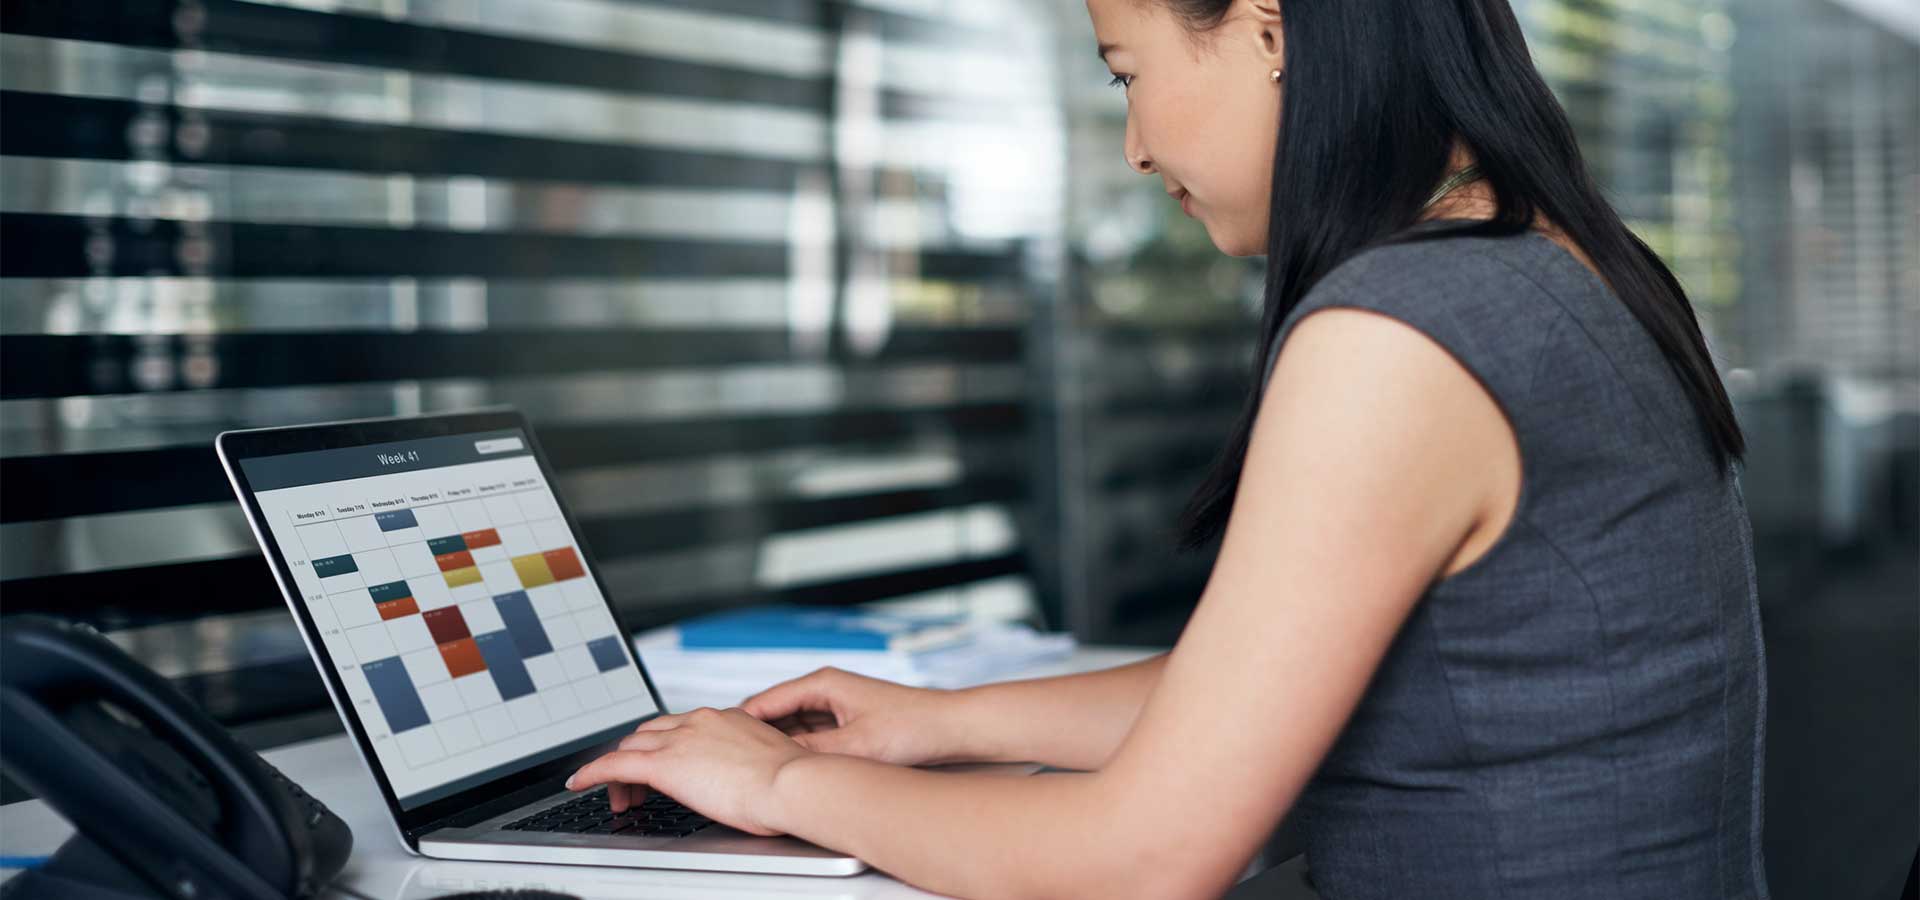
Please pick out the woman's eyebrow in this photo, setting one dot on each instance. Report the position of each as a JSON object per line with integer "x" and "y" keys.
{"x": 1107, "y": 48}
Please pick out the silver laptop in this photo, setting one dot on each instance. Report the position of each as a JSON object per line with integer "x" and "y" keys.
{"x": 467, "y": 640}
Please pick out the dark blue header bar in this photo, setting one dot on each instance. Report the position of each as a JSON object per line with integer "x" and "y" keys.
{"x": 266, "y": 473}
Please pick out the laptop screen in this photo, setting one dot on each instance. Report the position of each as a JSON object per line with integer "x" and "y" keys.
{"x": 455, "y": 602}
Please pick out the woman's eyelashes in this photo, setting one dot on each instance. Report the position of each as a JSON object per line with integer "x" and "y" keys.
{"x": 1121, "y": 81}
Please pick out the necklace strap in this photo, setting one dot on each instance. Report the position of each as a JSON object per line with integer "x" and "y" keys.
{"x": 1465, "y": 176}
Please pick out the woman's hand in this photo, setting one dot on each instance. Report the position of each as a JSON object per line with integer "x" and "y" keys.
{"x": 832, "y": 711}
{"x": 720, "y": 763}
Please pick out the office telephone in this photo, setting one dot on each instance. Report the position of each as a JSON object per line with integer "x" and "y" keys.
{"x": 165, "y": 802}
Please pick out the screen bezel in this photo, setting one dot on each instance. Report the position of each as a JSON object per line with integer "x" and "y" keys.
{"x": 235, "y": 446}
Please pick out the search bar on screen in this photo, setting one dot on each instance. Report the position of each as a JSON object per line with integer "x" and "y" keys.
{"x": 499, "y": 445}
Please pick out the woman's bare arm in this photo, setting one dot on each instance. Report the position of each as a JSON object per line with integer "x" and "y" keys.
{"x": 1069, "y": 721}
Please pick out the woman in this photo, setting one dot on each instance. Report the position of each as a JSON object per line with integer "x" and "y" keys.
{"x": 1483, "y": 609}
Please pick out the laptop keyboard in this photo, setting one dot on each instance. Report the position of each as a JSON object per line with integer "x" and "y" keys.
{"x": 657, "y": 816}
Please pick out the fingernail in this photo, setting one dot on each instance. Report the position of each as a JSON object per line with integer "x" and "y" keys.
{"x": 570, "y": 779}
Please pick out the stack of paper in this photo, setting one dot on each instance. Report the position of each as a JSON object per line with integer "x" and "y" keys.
{"x": 689, "y": 678}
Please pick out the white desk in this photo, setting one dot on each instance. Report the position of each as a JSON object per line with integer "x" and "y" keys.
{"x": 331, "y": 770}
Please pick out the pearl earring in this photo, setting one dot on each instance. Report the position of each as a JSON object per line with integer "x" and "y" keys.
{"x": 1274, "y": 76}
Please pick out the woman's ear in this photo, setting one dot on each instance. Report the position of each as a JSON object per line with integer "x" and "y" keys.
{"x": 1264, "y": 16}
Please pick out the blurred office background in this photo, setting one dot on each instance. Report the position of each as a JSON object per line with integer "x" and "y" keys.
{"x": 839, "y": 302}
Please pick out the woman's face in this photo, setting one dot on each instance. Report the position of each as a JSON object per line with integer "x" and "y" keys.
{"x": 1202, "y": 109}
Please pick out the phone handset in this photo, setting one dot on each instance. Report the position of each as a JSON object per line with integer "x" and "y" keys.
{"x": 149, "y": 778}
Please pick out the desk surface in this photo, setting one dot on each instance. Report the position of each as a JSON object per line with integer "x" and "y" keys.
{"x": 331, "y": 770}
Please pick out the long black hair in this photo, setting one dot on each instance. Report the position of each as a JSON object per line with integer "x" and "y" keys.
{"x": 1376, "y": 94}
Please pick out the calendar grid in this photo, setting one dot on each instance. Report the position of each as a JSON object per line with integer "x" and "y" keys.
{"x": 470, "y": 620}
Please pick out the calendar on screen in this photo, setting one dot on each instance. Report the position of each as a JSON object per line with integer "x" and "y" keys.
{"x": 457, "y": 606}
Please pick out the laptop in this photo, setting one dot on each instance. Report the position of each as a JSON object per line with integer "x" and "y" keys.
{"x": 466, "y": 638}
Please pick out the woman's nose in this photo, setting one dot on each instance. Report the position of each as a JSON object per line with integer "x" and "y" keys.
{"x": 1135, "y": 151}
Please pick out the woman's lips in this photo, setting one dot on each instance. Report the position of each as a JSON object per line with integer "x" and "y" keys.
{"x": 1185, "y": 199}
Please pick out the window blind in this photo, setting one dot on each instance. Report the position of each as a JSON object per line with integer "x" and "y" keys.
{"x": 762, "y": 273}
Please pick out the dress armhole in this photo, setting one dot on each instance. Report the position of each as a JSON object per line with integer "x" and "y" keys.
{"x": 1501, "y": 403}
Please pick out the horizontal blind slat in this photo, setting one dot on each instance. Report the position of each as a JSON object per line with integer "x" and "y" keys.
{"x": 253, "y": 29}
{"x": 833, "y": 15}
{"x": 101, "y": 128}
{"x": 55, "y": 486}
{"x": 654, "y": 532}
{"x": 60, "y": 246}
{"x": 73, "y": 365}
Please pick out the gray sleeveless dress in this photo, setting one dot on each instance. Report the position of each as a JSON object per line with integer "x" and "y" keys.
{"x": 1580, "y": 713}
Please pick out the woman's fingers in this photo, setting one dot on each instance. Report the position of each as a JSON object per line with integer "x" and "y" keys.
{"x": 618, "y": 767}
{"x": 644, "y": 740}
{"x": 808, "y": 692}
{"x": 816, "y": 720}
{"x": 622, "y": 790}
{"x": 805, "y": 722}
{"x": 619, "y": 770}
{"x": 836, "y": 740}
{"x": 660, "y": 723}
{"x": 622, "y": 796}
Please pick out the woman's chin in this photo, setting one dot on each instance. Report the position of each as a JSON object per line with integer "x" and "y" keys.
{"x": 1234, "y": 244}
